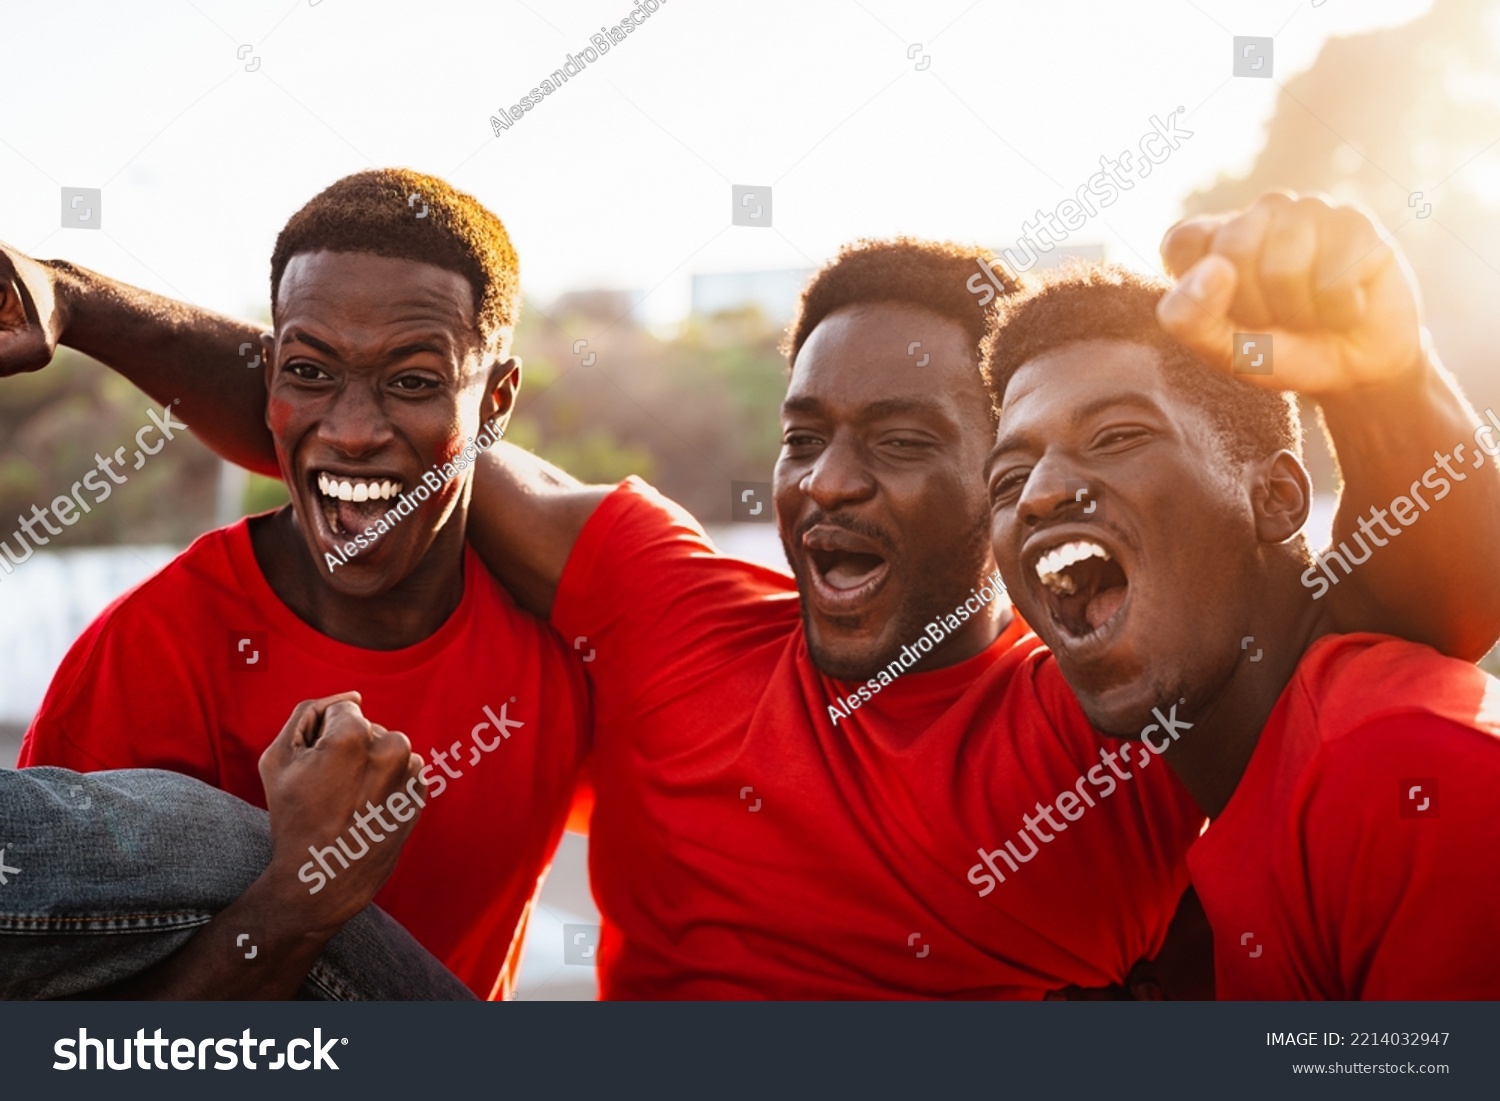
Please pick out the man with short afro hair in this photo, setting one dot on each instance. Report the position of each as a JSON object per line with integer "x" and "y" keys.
{"x": 1082, "y": 301}
{"x": 408, "y": 215}
{"x": 930, "y": 274}
{"x": 385, "y": 378}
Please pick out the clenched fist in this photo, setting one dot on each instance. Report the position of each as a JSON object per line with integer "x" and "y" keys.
{"x": 31, "y": 315}
{"x": 1324, "y": 281}
{"x": 329, "y": 770}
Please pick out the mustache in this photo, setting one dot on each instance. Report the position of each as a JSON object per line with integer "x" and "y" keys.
{"x": 847, "y": 522}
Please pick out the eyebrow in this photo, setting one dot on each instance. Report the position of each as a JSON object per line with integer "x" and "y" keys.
{"x": 395, "y": 353}
{"x": 300, "y": 337}
{"x": 1014, "y": 440}
{"x": 876, "y": 410}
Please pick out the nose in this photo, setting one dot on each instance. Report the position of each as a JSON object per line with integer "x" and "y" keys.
{"x": 354, "y": 423}
{"x": 838, "y": 477}
{"x": 1056, "y": 486}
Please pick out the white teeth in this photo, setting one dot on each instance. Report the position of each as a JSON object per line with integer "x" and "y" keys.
{"x": 1049, "y": 569}
{"x": 357, "y": 491}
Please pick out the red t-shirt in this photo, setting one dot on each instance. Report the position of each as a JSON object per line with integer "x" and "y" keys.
{"x": 162, "y": 680}
{"x": 1360, "y": 854}
{"x": 743, "y": 845}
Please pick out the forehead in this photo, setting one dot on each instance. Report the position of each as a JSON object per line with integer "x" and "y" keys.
{"x": 1081, "y": 375}
{"x": 360, "y": 292}
{"x": 863, "y": 354}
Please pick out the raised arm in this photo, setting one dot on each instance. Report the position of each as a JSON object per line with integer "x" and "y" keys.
{"x": 526, "y": 512}
{"x": 167, "y": 348}
{"x": 1437, "y": 583}
{"x": 1341, "y": 308}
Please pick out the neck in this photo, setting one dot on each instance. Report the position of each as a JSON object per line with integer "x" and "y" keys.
{"x": 975, "y": 634}
{"x": 1228, "y": 724}
{"x": 402, "y": 616}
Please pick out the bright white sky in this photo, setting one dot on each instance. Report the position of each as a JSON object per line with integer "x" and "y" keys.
{"x": 622, "y": 178}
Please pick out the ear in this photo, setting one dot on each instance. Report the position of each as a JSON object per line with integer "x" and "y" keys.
{"x": 1281, "y": 495}
{"x": 267, "y": 370}
{"x": 500, "y": 390}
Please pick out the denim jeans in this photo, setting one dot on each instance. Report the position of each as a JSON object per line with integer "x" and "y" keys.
{"x": 107, "y": 873}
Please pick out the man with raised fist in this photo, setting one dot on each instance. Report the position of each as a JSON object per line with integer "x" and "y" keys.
{"x": 386, "y": 376}
{"x": 1353, "y": 850}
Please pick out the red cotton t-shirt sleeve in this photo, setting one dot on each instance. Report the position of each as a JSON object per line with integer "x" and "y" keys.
{"x": 121, "y": 699}
{"x": 646, "y": 590}
{"x": 1405, "y": 893}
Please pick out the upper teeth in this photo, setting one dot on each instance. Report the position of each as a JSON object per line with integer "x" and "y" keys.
{"x": 1049, "y": 568}
{"x": 357, "y": 491}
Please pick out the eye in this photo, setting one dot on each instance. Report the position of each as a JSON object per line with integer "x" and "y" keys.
{"x": 307, "y": 371}
{"x": 1006, "y": 486}
{"x": 794, "y": 440}
{"x": 415, "y": 384}
{"x": 909, "y": 443}
{"x": 1121, "y": 437}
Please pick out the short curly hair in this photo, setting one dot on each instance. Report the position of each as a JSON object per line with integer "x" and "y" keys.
{"x": 932, "y": 274}
{"x": 1091, "y": 301}
{"x": 373, "y": 212}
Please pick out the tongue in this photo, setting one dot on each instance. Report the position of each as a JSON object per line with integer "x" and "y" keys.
{"x": 355, "y": 517}
{"x": 1104, "y": 605}
{"x": 850, "y": 572}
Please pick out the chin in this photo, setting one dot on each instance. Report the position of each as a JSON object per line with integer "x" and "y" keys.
{"x": 844, "y": 658}
{"x": 1116, "y": 700}
{"x": 352, "y": 580}
{"x": 1123, "y": 707}
{"x": 1116, "y": 715}
{"x": 361, "y": 576}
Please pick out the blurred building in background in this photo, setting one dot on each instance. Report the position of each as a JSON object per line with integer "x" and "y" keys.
{"x": 773, "y": 293}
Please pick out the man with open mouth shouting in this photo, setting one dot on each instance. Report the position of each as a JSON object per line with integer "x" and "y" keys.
{"x": 1350, "y": 778}
{"x": 746, "y": 844}
{"x": 387, "y": 372}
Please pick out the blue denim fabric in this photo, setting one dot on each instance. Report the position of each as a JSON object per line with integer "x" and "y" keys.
{"x": 109, "y": 873}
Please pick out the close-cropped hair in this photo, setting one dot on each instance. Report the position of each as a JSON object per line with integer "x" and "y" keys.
{"x": 933, "y": 275}
{"x": 380, "y": 212}
{"x": 1092, "y": 301}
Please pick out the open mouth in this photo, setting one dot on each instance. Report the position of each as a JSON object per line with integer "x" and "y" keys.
{"x": 846, "y": 569}
{"x": 349, "y": 505}
{"x": 1082, "y": 587}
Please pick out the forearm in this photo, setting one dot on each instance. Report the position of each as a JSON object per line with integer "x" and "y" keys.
{"x": 174, "y": 352}
{"x": 214, "y": 964}
{"x": 1432, "y": 581}
{"x": 524, "y": 518}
